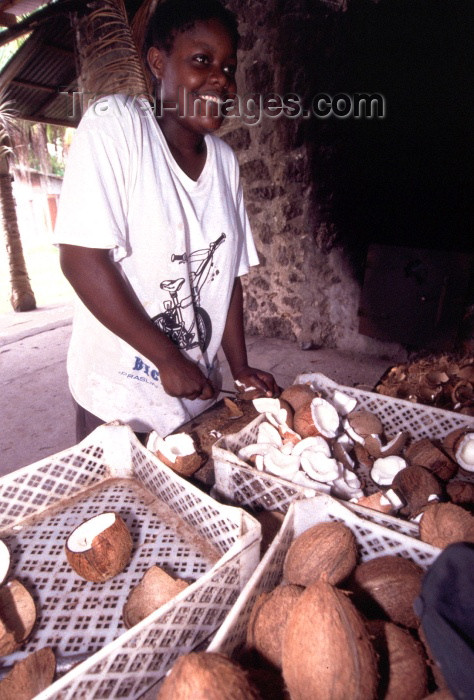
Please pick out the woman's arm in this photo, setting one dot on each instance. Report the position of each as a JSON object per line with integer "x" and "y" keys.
{"x": 233, "y": 344}
{"x": 101, "y": 287}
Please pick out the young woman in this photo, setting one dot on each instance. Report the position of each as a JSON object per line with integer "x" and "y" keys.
{"x": 154, "y": 235}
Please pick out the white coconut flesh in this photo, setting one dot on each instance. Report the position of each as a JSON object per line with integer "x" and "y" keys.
{"x": 325, "y": 417}
{"x": 268, "y": 433}
{"x": 4, "y": 561}
{"x": 258, "y": 448}
{"x": 465, "y": 452}
{"x": 385, "y": 468}
{"x": 352, "y": 433}
{"x": 391, "y": 498}
{"x": 319, "y": 467}
{"x": 342, "y": 489}
{"x": 243, "y": 388}
{"x": 177, "y": 445}
{"x": 314, "y": 444}
{"x": 279, "y": 464}
{"x": 80, "y": 540}
{"x": 343, "y": 403}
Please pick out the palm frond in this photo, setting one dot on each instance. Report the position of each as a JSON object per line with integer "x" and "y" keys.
{"x": 107, "y": 53}
{"x": 139, "y": 26}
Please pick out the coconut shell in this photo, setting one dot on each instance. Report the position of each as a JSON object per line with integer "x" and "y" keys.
{"x": 424, "y": 453}
{"x": 108, "y": 555}
{"x": 386, "y": 587}
{"x": 297, "y": 395}
{"x": 402, "y": 665}
{"x": 185, "y": 465}
{"x": 414, "y": 485}
{"x": 327, "y": 652}
{"x": 362, "y": 456}
{"x": 303, "y": 422}
{"x": 17, "y": 616}
{"x": 461, "y": 493}
{"x": 374, "y": 503}
{"x": 268, "y": 619}
{"x": 365, "y": 423}
{"x": 154, "y": 590}
{"x": 326, "y": 550}
{"x": 206, "y": 676}
{"x": 444, "y": 523}
{"x": 29, "y": 677}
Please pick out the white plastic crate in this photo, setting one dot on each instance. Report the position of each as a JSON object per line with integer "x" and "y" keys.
{"x": 173, "y": 524}
{"x": 243, "y": 485}
{"x": 373, "y": 540}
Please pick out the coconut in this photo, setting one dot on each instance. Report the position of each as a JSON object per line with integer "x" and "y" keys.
{"x": 280, "y": 464}
{"x": 4, "y": 561}
{"x": 29, "y": 677}
{"x": 426, "y": 454}
{"x": 203, "y": 675}
{"x": 464, "y": 452}
{"x": 17, "y": 616}
{"x": 343, "y": 403}
{"x": 376, "y": 501}
{"x": 100, "y": 548}
{"x": 154, "y": 590}
{"x": 318, "y": 417}
{"x": 297, "y": 395}
{"x": 178, "y": 452}
{"x": 360, "y": 424}
{"x": 384, "y": 469}
{"x": 402, "y": 666}
{"x": 362, "y": 456}
{"x": 445, "y": 523}
{"x": 327, "y": 652}
{"x": 319, "y": 467}
{"x": 461, "y": 493}
{"x": 314, "y": 444}
{"x": 268, "y": 619}
{"x": 416, "y": 486}
{"x": 385, "y": 587}
{"x": 326, "y": 550}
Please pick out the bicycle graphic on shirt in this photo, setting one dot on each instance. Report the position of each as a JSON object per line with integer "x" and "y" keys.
{"x": 171, "y": 320}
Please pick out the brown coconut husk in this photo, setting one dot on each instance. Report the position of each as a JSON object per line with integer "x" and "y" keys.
{"x": 365, "y": 423}
{"x": 461, "y": 493}
{"x": 425, "y": 453}
{"x": 303, "y": 422}
{"x": 402, "y": 664}
{"x": 207, "y": 676}
{"x": 326, "y": 550}
{"x": 268, "y": 619}
{"x": 327, "y": 652}
{"x": 385, "y": 587}
{"x": 415, "y": 485}
{"x": 443, "y": 524}
{"x": 297, "y": 395}
{"x": 154, "y": 590}
{"x": 29, "y": 677}
{"x": 108, "y": 555}
{"x": 17, "y": 616}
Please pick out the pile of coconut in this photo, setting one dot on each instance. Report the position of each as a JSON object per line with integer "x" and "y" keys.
{"x": 443, "y": 381}
{"x": 337, "y": 447}
{"x": 333, "y": 628}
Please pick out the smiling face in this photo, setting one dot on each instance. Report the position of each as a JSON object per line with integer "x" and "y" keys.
{"x": 196, "y": 76}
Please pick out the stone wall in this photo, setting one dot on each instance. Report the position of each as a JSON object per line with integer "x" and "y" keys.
{"x": 306, "y": 287}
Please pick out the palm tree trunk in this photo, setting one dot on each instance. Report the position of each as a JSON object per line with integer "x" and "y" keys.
{"x": 22, "y": 298}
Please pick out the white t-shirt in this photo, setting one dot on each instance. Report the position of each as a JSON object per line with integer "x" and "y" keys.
{"x": 180, "y": 244}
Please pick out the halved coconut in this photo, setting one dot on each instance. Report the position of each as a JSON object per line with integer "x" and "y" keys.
{"x": 342, "y": 455}
{"x": 298, "y": 395}
{"x": 29, "y": 677}
{"x": 425, "y": 453}
{"x": 347, "y": 486}
{"x": 376, "y": 501}
{"x": 17, "y": 616}
{"x": 361, "y": 424}
{"x": 249, "y": 452}
{"x": 325, "y": 417}
{"x": 4, "y": 561}
{"x": 154, "y": 590}
{"x": 178, "y": 452}
{"x": 280, "y": 464}
{"x": 464, "y": 452}
{"x": 416, "y": 486}
{"x": 384, "y": 469}
{"x": 100, "y": 548}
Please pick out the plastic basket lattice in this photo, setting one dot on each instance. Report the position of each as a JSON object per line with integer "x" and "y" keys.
{"x": 243, "y": 485}
{"x": 372, "y": 540}
{"x": 172, "y": 523}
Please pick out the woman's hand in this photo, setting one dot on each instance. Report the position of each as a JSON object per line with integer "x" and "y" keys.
{"x": 183, "y": 379}
{"x": 257, "y": 378}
